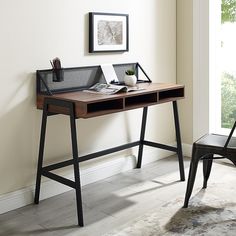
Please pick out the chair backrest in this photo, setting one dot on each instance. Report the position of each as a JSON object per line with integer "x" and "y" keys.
{"x": 230, "y": 135}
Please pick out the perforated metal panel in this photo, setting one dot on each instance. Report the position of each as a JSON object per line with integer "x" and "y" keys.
{"x": 76, "y": 79}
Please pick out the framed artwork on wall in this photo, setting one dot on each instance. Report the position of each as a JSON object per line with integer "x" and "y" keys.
{"x": 108, "y": 32}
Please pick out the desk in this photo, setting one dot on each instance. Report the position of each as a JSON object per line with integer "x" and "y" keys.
{"x": 85, "y": 105}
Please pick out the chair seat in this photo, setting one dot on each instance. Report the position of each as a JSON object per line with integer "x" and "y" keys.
{"x": 216, "y": 140}
{"x": 205, "y": 149}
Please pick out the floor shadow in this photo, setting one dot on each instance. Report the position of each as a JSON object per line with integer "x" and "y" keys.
{"x": 155, "y": 188}
{"x": 44, "y": 231}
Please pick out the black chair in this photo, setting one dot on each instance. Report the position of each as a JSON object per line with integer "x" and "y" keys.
{"x": 204, "y": 149}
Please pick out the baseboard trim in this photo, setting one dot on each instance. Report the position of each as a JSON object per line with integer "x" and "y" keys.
{"x": 91, "y": 174}
{"x": 187, "y": 150}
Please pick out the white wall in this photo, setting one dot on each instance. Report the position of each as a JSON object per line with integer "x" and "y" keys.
{"x": 185, "y": 66}
{"x": 32, "y": 33}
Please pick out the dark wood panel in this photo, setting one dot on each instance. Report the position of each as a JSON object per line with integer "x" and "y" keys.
{"x": 172, "y": 93}
{"x": 89, "y": 104}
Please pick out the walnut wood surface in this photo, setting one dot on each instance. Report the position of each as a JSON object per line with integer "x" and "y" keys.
{"x": 89, "y": 104}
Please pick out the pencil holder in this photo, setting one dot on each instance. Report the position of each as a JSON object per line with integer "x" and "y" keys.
{"x": 57, "y": 75}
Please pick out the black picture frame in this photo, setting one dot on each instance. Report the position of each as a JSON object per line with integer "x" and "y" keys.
{"x": 108, "y": 32}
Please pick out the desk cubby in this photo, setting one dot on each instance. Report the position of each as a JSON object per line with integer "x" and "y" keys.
{"x": 140, "y": 100}
{"x": 171, "y": 94}
{"x": 104, "y": 106}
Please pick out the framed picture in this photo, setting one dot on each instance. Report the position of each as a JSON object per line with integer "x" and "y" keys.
{"x": 108, "y": 32}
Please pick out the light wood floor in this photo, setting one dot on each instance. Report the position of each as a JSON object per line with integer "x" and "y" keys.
{"x": 107, "y": 204}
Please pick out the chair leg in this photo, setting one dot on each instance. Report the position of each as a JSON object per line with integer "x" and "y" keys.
{"x": 207, "y": 164}
{"x": 191, "y": 177}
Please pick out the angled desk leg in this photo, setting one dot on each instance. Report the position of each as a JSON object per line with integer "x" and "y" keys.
{"x": 178, "y": 140}
{"x": 76, "y": 166}
{"x": 41, "y": 151}
{"x": 143, "y": 128}
{"x": 77, "y": 186}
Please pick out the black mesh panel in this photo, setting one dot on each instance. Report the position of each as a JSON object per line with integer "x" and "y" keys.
{"x": 75, "y": 79}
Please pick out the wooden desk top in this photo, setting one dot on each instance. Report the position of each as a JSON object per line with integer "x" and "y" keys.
{"x": 89, "y": 104}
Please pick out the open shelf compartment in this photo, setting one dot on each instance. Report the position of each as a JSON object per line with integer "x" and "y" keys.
{"x": 104, "y": 106}
{"x": 140, "y": 100}
{"x": 170, "y": 94}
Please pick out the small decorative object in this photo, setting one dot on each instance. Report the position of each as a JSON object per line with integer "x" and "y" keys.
{"x": 108, "y": 32}
{"x": 58, "y": 72}
{"x": 130, "y": 78}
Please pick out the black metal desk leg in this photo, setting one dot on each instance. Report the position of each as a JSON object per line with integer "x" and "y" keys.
{"x": 143, "y": 128}
{"x": 178, "y": 140}
{"x": 76, "y": 167}
{"x": 41, "y": 151}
